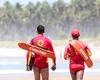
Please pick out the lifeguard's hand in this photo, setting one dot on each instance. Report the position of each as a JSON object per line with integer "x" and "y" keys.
{"x": 27, "y": 68}
{"x": 53, "y": 67}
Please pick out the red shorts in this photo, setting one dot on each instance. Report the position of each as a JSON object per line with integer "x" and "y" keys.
{"x": 76, "y": 67}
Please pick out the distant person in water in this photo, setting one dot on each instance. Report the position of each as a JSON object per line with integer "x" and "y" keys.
{"x": 40, "y": 64}
{"x": 76, "y": 65}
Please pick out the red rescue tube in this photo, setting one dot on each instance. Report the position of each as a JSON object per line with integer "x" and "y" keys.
{"x": 80, "y": 48}
{"x": 36, "y": 50}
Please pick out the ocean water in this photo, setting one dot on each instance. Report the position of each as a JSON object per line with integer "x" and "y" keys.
{"x": 18, "y": 66}
{"x": 13, "y": 62}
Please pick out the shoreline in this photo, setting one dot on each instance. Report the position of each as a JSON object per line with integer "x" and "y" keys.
{"x": 19, "y": 53}
{"x": 59, "y": 51}
{"x": 90, "y": 76}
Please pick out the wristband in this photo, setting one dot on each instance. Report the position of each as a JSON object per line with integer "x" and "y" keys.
{"x": 27, "y": 65}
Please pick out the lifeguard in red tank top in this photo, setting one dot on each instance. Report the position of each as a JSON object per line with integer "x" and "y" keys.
{"x": 41, "y": 41}
{"x": 40, "y": 63}
{"x": 76, "y": 61}
{"x": 76, "y": 65}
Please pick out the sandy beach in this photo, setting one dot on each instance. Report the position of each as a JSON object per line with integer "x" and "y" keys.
{"x": 55, "y": 76}
{"x": 90, "y": 76}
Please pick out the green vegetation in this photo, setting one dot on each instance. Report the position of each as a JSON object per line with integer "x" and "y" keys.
{"x": 19, "y": 22}
{"x": 60, "y": 42}
{"x": 9, "y": 44}
{"x": 14, "y": 44}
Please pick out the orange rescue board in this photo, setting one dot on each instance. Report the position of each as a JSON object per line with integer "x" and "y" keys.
{"x": 36, "y": 50}
{"x": 80, "y": 48}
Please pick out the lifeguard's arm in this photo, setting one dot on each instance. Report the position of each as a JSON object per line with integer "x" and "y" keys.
{"x": 28, "y": 55}
{"x": 66, "y": 53}
{"x": 51, "y": 49}
{"x": 54, "y": 61}
{"x": 88, "y": 51}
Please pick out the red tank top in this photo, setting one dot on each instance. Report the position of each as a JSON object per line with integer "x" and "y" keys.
{"x": 42, "y": 41}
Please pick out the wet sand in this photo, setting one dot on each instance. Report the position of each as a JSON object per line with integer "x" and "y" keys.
{"x": 61, "y": 76}
{"x": 90, "y": 76}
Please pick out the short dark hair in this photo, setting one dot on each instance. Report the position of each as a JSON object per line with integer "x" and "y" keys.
{"x": 40, "y": 29}
{"x": 75, "y": 37}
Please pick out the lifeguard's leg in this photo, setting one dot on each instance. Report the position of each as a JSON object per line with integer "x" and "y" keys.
{"x": 73, "y": 75}
{"x": 45, "y": 73}
{"x": 79, "y": 75}
{"x": 36, "y": 73}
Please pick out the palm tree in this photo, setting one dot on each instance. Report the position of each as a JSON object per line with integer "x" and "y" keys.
{"x": 97, "y": 4}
